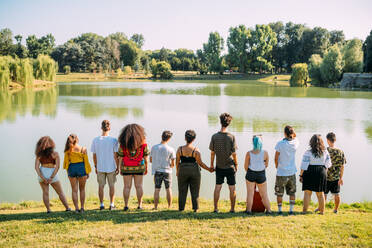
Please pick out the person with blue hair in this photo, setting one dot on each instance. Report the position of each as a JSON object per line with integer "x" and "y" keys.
{"x": 256, "y": 161}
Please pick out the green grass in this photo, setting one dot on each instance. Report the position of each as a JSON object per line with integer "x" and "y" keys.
{"x": 26, "y": 224}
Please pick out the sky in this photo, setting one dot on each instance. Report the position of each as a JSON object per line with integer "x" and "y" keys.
{"x": 177, "y": 24}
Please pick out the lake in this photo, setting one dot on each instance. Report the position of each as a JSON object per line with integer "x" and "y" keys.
{"x": 177, "y": 106}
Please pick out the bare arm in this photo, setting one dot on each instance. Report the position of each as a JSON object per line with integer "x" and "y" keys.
{"x": 235, "y": 161}
{"x": 200, "y": 162}
{"x": 116, "y": 158}
{"x": 172, "y": 163}
{"x": 212, "y": 159}
{"x": 150, "y": 159}
{"x": 301, "y": 174}
{"x": 277, "y": 159}
{"x": 56, "y": 156}
{"x": 341, "y": 181}
{"x": 146, "y": 158}
{"x": 37, "y": 169}
{"x": 247, "y": 161}
{"x": 95, "y": 161}
{"x": 178, "y": 161}
{"x": 266, "y": 159}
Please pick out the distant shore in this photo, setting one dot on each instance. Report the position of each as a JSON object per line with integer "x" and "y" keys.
{"x": 37, "y": 85}
{"x": 273, "y": 79}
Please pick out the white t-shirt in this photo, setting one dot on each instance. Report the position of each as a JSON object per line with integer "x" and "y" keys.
{"x": 104, "y": 148}
{"x": 162, "y": 156}
{"x": 310, "y": 159}
{"x": 287, "y": 157}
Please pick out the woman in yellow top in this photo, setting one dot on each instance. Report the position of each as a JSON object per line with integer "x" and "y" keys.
{"x": 78, "y": 168}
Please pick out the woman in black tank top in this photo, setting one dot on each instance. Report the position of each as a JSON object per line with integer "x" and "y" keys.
{"x": 188, "y": 163}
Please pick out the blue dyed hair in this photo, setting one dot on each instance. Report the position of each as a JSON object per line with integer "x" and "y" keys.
{"x": 257, "y": 143}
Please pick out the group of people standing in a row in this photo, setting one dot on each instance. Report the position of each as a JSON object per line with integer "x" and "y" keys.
{"x": 321, "y": 168}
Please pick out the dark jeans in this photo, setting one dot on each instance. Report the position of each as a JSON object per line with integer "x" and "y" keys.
{"x": 188, "y": 177}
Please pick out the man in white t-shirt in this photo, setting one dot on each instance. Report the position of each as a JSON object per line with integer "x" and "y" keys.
{"x": 162, "y": 157}
{"x": 104, "y": 149}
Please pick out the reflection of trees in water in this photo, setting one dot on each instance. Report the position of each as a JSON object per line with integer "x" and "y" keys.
{"x": 209, "y": 90}
{"x": 240, "y": 124}
{"x": 28, "y": 101}
{"x": 316, "y": 92}
{"x": 89, "y": 109}
{"x": 368, "y": 131}
{"x": 101, "y": 90}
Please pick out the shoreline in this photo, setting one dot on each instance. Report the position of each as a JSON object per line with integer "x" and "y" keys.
{"x": 37, "y": 85}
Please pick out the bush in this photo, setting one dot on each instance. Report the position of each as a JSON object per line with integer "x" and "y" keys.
{"x": 127, "y": 70}
{"x": 26, "y": 73}
{"x": 315, "y": 62}
{"x": 161, "y": 69}
{"x": 16, "y": 70}
{"x": 119, "y": 72}
{"x": 4, "y": 73}
{"x": 45, "y": 68}
{"x": 299, "y": 75}
{"x": 67, "y": 69}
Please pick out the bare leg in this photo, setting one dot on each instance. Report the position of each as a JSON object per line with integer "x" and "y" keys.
{"x": 112, "y": 194}
{"x": 156, "y": 198}
{"x": 337, "y": 201}
{"x": 138, "y": 183}
{"x": 262, "y": 188}
{"x": 58, "y": 188}
{"x": 321, "y": 201}
{"x": 250, "y": 193}
{"x": 307, "y": 199}
{"x": 127, "y": 188}
{"x": 45, "y": 189}
{"x": 169, "y": 197}
{"x": 82, "y": 181}
{"x": 74, "y": 187}
{"x": 216, "y": 195}
{"x": 101, "y": 193}
{"x": 232, "y": 197}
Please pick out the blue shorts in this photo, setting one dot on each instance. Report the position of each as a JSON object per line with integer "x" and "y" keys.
{"x": 76, "y": 170}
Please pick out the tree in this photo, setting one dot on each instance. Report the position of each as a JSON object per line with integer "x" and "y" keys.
{"x": 129, "y": 53}
{"x": 336, "y": 37}
{"x": 44, "y": 68}
{"x": 43, "y": 45}
{"x": 138, "y": 39}
{"x": 293, "y": 47}
{"x": 314, "y": 41}
{"x": 367, "y": 51}
{"x": 212, "y": 51}
{"x": 331, "y": 68}
{"x": 6, "y": 42}
{"x": 299, "y": 75}
{"x": 279, "y": 52}
{"x": 67, "y": 69}
{"x": 112, "y": 53}
{"x": 161, "y": 69}
{"x": 20, "y": 50}
{"x": 176, "y": 64}
{"x": 237, "y": 44}
{"x": 315, "y": 62}
{"x": 261, "y": 43}
{"x": 70, "y": 54}
{"x": 353, "y": 56}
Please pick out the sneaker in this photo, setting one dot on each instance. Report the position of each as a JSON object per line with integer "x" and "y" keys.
{"x": 68, "y": 210}
{"x": 82, "y": 210}
{"x": 139, "y": 208}
{"x": 280, "y": 213}
{"x": 77, "y": 211}
{"x": 112, "y": 207}
{"x": 216, "y": 211}
{"x": 291, "y": 213}
{"x": 232, "y": 211}
{"x": 316, "y": 210}
{"x": 49, "y": 211}
{"x": 248, "y": 212}
{"x": 335, "y": 211}
{"x": 268, "y": 212}
{"x": 126, "y": 209}
{"x": 102, "y": 207}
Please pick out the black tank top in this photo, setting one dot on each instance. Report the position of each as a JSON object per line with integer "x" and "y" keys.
{"x": 185, "y": 159}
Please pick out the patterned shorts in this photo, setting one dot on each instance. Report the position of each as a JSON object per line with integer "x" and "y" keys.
{"x": 287, "y": 182}
{"x": 163, "y": 176}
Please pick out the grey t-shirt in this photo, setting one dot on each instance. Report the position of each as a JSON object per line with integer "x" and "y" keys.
{"x": 223, "y": 144}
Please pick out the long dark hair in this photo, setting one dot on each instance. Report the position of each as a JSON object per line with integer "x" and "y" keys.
{"x": 132, "y": 136}
{"x": 289, "y": 132}
{"x": 44, "y": 147}
{"x": 72, "y": 140}
{"x": 317, "y": 145}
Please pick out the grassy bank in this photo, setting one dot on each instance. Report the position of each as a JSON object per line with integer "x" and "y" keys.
{"x": 282, "y": 80}
{"x": 27, "y": 224}
{"x": 36, "y": 85}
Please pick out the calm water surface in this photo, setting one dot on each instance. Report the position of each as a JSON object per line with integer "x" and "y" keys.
{"x": 80, "y": 107}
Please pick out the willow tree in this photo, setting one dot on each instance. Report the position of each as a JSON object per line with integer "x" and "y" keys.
{"x": 26, "y": 72}
{"x": 299, "y": 75}
{"x": 4, "y": 73}
{"x": 45, "y": 68}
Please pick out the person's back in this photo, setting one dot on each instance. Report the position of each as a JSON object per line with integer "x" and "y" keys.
{"x": 223, "y": 144}
{"x": 287, "y": 158}
{"x": 257, "y": 161}
{"x": 161, "y": 155}
{"x": 104, "y": 147}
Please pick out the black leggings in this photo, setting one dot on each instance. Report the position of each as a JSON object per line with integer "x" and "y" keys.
{"x": 188, "y": 177}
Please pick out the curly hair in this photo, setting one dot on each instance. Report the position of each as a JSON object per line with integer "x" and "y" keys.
{"x": 132, "y": 136}
{"x": 72, "y": 140}
{"x": 44, "y": 147}
{"x": 317, "y": 145}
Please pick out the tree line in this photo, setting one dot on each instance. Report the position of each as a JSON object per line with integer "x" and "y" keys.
{"x": 271, "y": 48}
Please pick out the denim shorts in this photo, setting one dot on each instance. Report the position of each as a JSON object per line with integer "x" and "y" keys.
{"x": 76, "y": 170}
{"x": 161, "y": 177}
{"x": 47, "y": 173}
{"x": 258, "y": 177}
